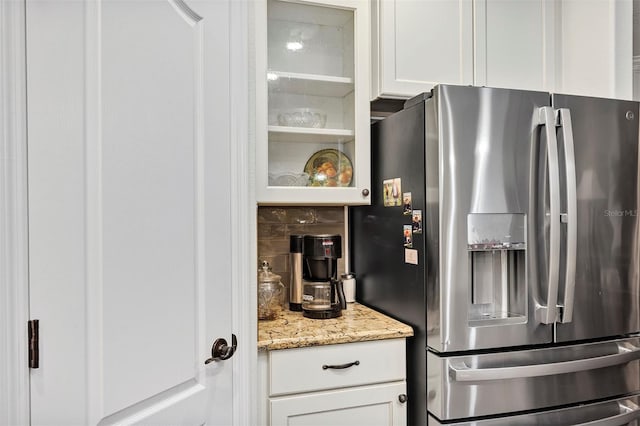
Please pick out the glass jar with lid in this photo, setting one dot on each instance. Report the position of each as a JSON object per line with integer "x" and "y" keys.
{"x": 270, "y": 293}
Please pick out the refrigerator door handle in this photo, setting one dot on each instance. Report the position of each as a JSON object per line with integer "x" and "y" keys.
{"x": 571, "y": 217}
{"x": 629, "y": 411}
{"x": 547, "y": 314}
{"x": 459, "y": 371}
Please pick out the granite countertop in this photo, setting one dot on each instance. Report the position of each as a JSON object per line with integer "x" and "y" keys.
{"x": 358, "y": 323}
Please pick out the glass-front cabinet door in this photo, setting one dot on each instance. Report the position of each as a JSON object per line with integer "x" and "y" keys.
{"x": 312, "y": 102}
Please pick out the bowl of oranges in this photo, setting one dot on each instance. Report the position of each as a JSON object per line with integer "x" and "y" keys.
{"x": 329, "y": 167}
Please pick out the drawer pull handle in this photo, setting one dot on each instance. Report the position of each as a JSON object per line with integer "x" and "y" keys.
{"x": 341, "y": 366}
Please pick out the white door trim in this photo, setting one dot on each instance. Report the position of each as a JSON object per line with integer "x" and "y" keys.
{"x": 14, "y": 290}
{"x": 244, "y": 245}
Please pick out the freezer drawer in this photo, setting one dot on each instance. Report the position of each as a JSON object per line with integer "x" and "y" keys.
{"x": 459, "y": 387}
{"x": 617, "y": 412}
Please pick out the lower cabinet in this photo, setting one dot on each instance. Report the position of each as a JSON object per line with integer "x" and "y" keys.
{"x": 359, "y": 383}
{"x": 361, "y": 405}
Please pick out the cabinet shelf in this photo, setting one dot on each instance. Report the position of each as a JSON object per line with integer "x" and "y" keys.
{"x": 303, "y": 134}
{"x": 309, "y": 84}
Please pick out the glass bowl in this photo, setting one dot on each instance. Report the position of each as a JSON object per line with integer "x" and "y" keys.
{"x": 288, "y": 179}
{"x": 303, "y": 117}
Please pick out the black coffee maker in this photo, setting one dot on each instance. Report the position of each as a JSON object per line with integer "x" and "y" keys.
{"x": 322, "y": 293}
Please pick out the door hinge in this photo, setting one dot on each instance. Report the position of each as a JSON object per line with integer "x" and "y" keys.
{"x": 34, "y": 343}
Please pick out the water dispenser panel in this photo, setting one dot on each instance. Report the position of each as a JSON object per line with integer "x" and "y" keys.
{"x": 496, "y": 231}
{"x": 497, "y": 246}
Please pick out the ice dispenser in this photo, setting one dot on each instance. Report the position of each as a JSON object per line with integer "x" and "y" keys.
{"x": 497, "y": 260}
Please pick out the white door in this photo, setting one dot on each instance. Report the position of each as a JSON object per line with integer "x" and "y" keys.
{"x": 129, "y": 210}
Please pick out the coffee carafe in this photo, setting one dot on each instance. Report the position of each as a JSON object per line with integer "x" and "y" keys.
{"x": 323, "y": 296}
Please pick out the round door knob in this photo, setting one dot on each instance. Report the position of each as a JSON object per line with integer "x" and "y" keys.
{"x": 365, "y": 192}
{"x": 402, "y": 398}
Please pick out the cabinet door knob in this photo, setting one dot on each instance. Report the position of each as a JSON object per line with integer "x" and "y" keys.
{"x": 365, "y": 192}
{"x": 402, "y": 398}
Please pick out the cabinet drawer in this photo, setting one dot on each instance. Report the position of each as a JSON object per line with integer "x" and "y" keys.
{"x": 378, "y": 405}
{"x": 303, "y": 369}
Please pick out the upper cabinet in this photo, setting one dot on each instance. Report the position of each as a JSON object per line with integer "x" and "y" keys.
{"x": 418, "y": 44}
{"x": 596, "y": 46}
{"x": 578, "y": 47}
{"x": 497, "y": 43}
{"x": 312, "y": 102}
{"x": 513, "y": 44}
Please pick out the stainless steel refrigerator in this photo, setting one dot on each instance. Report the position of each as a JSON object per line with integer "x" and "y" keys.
{"x": 504, "y": 228}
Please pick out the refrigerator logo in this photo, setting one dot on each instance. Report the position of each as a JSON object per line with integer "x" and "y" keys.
{"x": 621, "y": 213}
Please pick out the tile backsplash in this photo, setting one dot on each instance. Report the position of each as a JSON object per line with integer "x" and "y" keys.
{"x": 275, "y": 224}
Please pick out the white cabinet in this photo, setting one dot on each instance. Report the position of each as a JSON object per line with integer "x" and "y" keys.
{"x": 498, "y": 43}
{"x": 513, "y": 44}
{"x": 418, "y": 44}
{"x": 568, "y": 46}
{"x": 361, "y": 406}
{"x": 359, "y": 383}
{"x": 311, "y": 100}
{"x": 596, "y": 46}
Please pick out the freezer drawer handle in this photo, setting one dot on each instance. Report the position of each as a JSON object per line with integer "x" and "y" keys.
{"x": 460, "y": 372}
{"x": 629, "y": 412}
